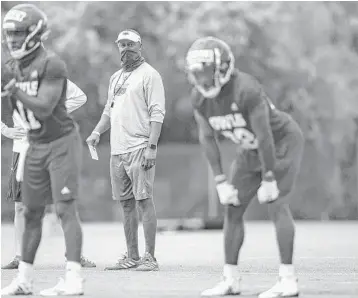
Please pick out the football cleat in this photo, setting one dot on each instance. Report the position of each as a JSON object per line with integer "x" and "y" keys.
{"x": 148, "y": 263}
{"x": 16, "y": 288}
{"x": 86, "y": 263}
{"x": 285, "y": 287}
{"x": 124, "y": 263}
{"x": 65, "y": 287}
{"x": 14, "y": 264}
{"x": 223, "y": 288}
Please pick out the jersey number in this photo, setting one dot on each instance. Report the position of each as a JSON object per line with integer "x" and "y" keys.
{"x": 243, "y": 137}
{"x": 27, "y": 117}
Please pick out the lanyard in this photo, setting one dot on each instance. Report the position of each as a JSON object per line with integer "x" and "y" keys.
{"x": 119, "y": 89}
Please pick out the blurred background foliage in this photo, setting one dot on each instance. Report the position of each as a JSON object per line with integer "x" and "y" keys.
{"x": 304, "y": 53}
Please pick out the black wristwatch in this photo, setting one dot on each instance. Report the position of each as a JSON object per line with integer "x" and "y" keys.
{"x": 152, "y": 146}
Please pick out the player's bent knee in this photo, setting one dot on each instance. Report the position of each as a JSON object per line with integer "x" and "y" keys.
{"x": 65, "y": 209}
{"x": 278, "y": 208}
{"x": 33, "y": 216}
{"x": 235, "y": 213}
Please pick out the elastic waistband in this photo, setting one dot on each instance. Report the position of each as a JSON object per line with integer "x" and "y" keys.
{"x": 73, "y": 131}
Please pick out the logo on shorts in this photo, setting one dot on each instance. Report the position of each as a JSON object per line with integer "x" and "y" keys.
{"x": 65, "y": 191}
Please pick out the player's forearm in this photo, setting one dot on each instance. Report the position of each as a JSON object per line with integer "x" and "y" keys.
{"x": 212, "y": 152}
{"x": 262, "y": 129}
{"x": 103, "y": 125}
{"x": 41, "y": 107}
{"x": 155, "y": 131}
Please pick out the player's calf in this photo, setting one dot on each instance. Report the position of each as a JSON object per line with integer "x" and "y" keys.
{"x": 280, "y": 215}
{"x": 32, "y": 234}
{"x": 287, "y": 286}
{"x": 67, "y": 212}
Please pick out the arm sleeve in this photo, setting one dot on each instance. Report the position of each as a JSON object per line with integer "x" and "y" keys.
{"x": 75, "y": 97}
{"x": 259, "y": 116}
{"x": 155, "y": 97}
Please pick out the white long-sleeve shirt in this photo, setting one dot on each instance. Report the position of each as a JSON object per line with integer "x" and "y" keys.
{"x": 134, "y": 100}
{"x": 75, "y": 98}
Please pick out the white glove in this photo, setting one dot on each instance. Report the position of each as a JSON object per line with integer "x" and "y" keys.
{"x": 268, "y": 192}
{"x": 228, "y": 194}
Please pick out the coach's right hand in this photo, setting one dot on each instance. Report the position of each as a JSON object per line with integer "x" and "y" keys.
{"x": 93, "y": 139}
{"x": 15, "y": 133}
{"x": 228, "y": 194}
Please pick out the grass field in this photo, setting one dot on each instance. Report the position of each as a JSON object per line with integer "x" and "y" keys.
{"x": 326, "y": 260}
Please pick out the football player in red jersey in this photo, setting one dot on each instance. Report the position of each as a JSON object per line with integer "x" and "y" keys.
{"x": 269, "y": 144}
{"x": 36, "y": 87}
{"x": 75, "y": 98}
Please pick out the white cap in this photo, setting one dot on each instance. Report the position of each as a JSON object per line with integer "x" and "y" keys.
{"x": 129, "y": 35}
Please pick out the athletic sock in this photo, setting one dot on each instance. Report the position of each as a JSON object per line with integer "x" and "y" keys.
{"x": 286, "y": 271}
{"x": 26, "y": 272}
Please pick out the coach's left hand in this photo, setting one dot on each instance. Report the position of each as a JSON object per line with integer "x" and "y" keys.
{"x": 149, "y": 158}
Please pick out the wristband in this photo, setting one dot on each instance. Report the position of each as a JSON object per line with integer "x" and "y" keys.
{"x": 96, "y": 133}
{"x": 220, "y": 178}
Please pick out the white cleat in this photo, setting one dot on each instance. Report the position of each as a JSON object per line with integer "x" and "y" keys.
{"x": 285, "y": 287}
{"x": 223, "y": 288}
{"x": 17, "y": 288}
{"x": 65, "y": 287}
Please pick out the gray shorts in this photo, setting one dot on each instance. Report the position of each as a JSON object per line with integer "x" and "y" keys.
{"x": 129, "y": 179}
